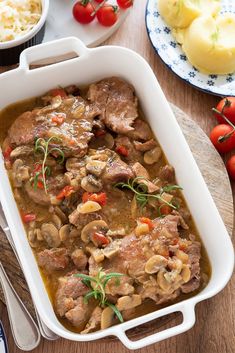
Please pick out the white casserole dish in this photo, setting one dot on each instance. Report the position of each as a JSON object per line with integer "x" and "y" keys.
{"x": 92, "y": 65}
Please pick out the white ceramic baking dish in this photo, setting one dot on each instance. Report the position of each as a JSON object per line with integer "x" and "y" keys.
{"x": 92, "y": 65}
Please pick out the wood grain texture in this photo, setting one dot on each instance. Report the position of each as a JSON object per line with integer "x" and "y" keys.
{"x": 214, "y": 331}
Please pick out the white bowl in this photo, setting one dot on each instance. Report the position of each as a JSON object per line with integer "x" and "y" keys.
{"x": 10, "y": 51}
{"x": 92, "y": 65}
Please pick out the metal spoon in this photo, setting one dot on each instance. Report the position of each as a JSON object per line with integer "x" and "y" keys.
{"x": 45, "y": 331}
{"x": 24, "y": 330}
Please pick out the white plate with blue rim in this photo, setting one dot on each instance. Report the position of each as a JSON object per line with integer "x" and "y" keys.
{"x": 172, "y": 55}
{"x": 3, "y": 341}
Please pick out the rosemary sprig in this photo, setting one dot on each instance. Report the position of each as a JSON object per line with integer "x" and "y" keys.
{"x": 141, "y": 191}
{"x": 97, "y": 286}
{"x": 42, "y": 145}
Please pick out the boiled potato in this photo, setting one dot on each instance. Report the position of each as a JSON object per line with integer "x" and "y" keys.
{"x": 209, "y": 44}
{"x": 181, "y": 13}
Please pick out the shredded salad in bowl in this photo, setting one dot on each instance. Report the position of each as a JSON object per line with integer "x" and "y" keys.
{"x": 18, "y": 17}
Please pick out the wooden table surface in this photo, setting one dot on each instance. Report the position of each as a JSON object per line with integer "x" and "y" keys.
{"x": 214, "y": 331}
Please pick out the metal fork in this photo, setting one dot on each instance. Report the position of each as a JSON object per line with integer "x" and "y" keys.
{"x": 44, "y": 330}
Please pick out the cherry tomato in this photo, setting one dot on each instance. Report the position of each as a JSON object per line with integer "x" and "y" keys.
{"x": 99, "y": 1}
{"x": 65, "y": 192}
{"x": 231, "y": 167}
{"x": 218, "y": 133}
{"x": 227, "y": 107}
{"x": 28, "y": 217}
{"x": 122, "y": 150}
{"x": 58, "y": 92}
{"x": 107, "y": 15}
{"x": 83, "y": 11}
{"x": 100, "y": 198}
{"x": 147, "y": 221}
{"x": 124, "y": 4}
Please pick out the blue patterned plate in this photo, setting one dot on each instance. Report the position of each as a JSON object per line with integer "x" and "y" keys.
{"x": 3, "y": 341}
{"x": 172, "y": 55}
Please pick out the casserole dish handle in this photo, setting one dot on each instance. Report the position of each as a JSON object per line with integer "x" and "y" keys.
{"x": 53, "y": 49}
{"x": 187, "y": 310}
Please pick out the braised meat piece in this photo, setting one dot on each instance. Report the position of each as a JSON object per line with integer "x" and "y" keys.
{"x": 140, "y": 171}
{"x": 141, "y": 131}
{"x": 70, "y": 288}
{"x": 70, "y": 121}
{"x": 22, "y": 131}
{"x": 116, "y": 170}
{"x": 94, "y": 321}
{"x": 132, "y": 154}
{"x": 145, "y": 146}
{"x": 79, "y": 315}
{"x": 117, "y": 102}
{"x": 167, "y": 173}
{"x": 54, "y": 259}
{"x": 79, "y": 258}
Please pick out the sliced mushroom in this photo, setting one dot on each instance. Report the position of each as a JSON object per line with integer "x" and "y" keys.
{"x": 155, "y": 263}
{"x": 38, "y": 234}
{"x": 107, "y": 317}
{"x": 57, "y": 221}
{"x": 93, "y": 227}
{"x": 51, "y": 235}
{"x": 112, "y": 249}
{"x": 182, "y": 256}
{"x": 20, "y": 173}
{"x": 73, "y": 164}
{"x": 32, "y": 238}
{"x": 162, "y": 282}
{"x": 21, "y": 150}
{"x": 79, "y": 111}
{"x": 91, "y": 183}
{"x": 175, "y": 264}
{"x": 119, "y": 232}
{"x": 96, "y": 167}
{"x": 153, "y": 156}
{"x": 96, "y": 253}
{"x": 61, "y": 214}
{"x": 128, "y": 302}
{"x": 185, "y": 273}
{"x": 64, "y": 232}
{"x": 88, "y": 207}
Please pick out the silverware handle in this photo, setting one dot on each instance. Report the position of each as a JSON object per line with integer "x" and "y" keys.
{"x": 25, "y": 332}
{"x": 45, "y": 331}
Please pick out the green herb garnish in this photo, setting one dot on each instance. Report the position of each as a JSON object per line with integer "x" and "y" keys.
{"x": 141, "y": 192}
{"x": 97, "y": 286}
{"x": 42, "y": 145}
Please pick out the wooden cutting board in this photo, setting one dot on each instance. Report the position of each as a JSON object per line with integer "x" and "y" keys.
{"x": 214, "y": 172}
